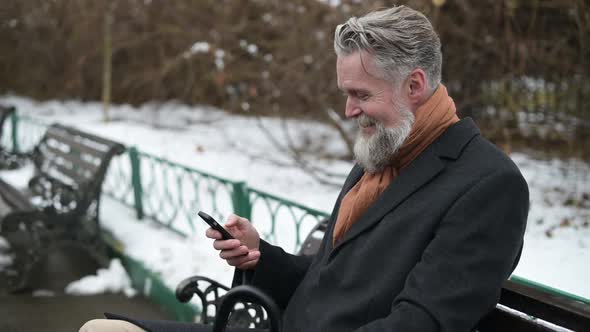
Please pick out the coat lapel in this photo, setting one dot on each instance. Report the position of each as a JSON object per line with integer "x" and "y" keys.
{"x": 419, "y": 172}
{"x": 355, "y": 175}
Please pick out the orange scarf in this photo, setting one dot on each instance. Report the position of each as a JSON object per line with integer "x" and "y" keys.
{"x": 431, "y": 120}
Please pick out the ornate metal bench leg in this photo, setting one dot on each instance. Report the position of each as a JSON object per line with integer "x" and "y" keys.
{"x": 210, "y": 292}
{"x": 251, "y": 297}
{"x": 18, "y": 274}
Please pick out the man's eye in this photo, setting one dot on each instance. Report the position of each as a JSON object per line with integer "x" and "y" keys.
{"x": 362, "y": 96}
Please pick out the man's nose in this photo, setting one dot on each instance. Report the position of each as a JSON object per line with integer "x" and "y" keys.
{"x": 352, "y": 108}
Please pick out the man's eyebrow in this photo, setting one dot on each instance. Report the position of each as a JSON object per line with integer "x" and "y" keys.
{"x": 353, "y": 90}
{"x": 344, "y": 90}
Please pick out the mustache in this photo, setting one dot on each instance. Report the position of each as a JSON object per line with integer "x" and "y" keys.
{"x": 365, "y": 121}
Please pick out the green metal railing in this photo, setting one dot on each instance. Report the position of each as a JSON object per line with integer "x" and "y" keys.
{"x": 117, "y": 183}
{"x": 26, "y": 132}
{"x": 22, "y": 133}
{"x": 267, "y": 207}
{"x": 171, "y": 194}
{"x": 549, "y": 289}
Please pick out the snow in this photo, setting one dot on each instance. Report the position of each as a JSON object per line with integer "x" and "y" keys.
{"x": 200, "y": 47}
{"x": 18, "y": 178}
{"x": 557, "y": 239}
{"x": 333, "y": 3}
{"x": 113, "y": 279}
{"x": 4, "y": 244}
{"x": 219, "y": 63}
{"x": 250, "y": 48}
{"x": 557, "y": 251}
{"x": 197, "y": 48}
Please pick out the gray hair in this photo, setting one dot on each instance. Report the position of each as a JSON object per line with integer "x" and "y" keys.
{"x": 400, "y": 38}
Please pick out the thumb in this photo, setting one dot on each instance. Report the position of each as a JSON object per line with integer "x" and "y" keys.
{"x": 232, "y": 221}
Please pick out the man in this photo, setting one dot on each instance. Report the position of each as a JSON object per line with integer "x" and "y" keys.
{"x": 429, "y": 222}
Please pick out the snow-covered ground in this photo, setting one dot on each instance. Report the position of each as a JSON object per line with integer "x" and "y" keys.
{"x": 557, "y": 241}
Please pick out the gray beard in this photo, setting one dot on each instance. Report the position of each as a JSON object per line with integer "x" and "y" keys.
{"x": 377, "y": 151}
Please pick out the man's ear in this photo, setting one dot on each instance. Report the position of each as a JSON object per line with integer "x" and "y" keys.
{"x": 417, "y": 86}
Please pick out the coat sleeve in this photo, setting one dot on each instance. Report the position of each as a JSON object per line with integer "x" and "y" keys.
{"x": 460, "y": 274}
{"x": 277, "y": 273}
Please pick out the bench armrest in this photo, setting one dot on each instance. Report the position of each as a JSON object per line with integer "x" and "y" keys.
{"x": 247, "y": 294}
{"x": 204, "y": 288}
{"x": 210, "y": 293}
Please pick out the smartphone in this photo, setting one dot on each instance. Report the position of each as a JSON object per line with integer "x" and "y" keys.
{"x": 215, "y": 225}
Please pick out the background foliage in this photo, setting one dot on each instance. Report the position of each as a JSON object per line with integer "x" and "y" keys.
{"x": 519, "y": 67}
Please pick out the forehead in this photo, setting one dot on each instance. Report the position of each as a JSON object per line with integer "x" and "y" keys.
{"x": 356, "y": 70}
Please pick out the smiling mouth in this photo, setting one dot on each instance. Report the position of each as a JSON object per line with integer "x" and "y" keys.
{"x": 366, "y": 123}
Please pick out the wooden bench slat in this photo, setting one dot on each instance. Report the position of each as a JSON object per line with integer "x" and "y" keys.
{"x": 65, "y": 174}
{"x": 75, "y": 143}
{"x": 83, "y": 167}
{"x": 555, "y": 309}
{"x": 112, "y": 145}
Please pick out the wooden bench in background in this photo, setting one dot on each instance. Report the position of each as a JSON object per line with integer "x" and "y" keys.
{"x": 61, "y": 204}
{"x": 521, "y": 307}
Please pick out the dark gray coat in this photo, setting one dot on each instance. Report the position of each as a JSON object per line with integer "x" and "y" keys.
{"x": 430, "y": 254}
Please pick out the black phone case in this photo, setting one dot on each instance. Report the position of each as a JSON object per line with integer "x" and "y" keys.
{"x": 215, "y": 225}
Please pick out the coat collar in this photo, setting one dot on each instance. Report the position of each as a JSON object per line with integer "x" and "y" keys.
{"x": 452, "y": 142}
{"x": 425, "y": 167}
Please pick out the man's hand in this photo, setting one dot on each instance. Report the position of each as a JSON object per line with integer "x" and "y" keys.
{"x": 241, "y": 252}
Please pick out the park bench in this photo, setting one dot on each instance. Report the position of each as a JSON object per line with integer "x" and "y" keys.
{"x": 521, "y": 307}
{"x": 61, "y": 204}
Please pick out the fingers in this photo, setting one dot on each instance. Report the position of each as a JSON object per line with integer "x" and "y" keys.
{"x": 227, "y": 244}
{"x": 245, "y": 262}
{"x": 237, "y": 252}
{"x": 213, "y": 234}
